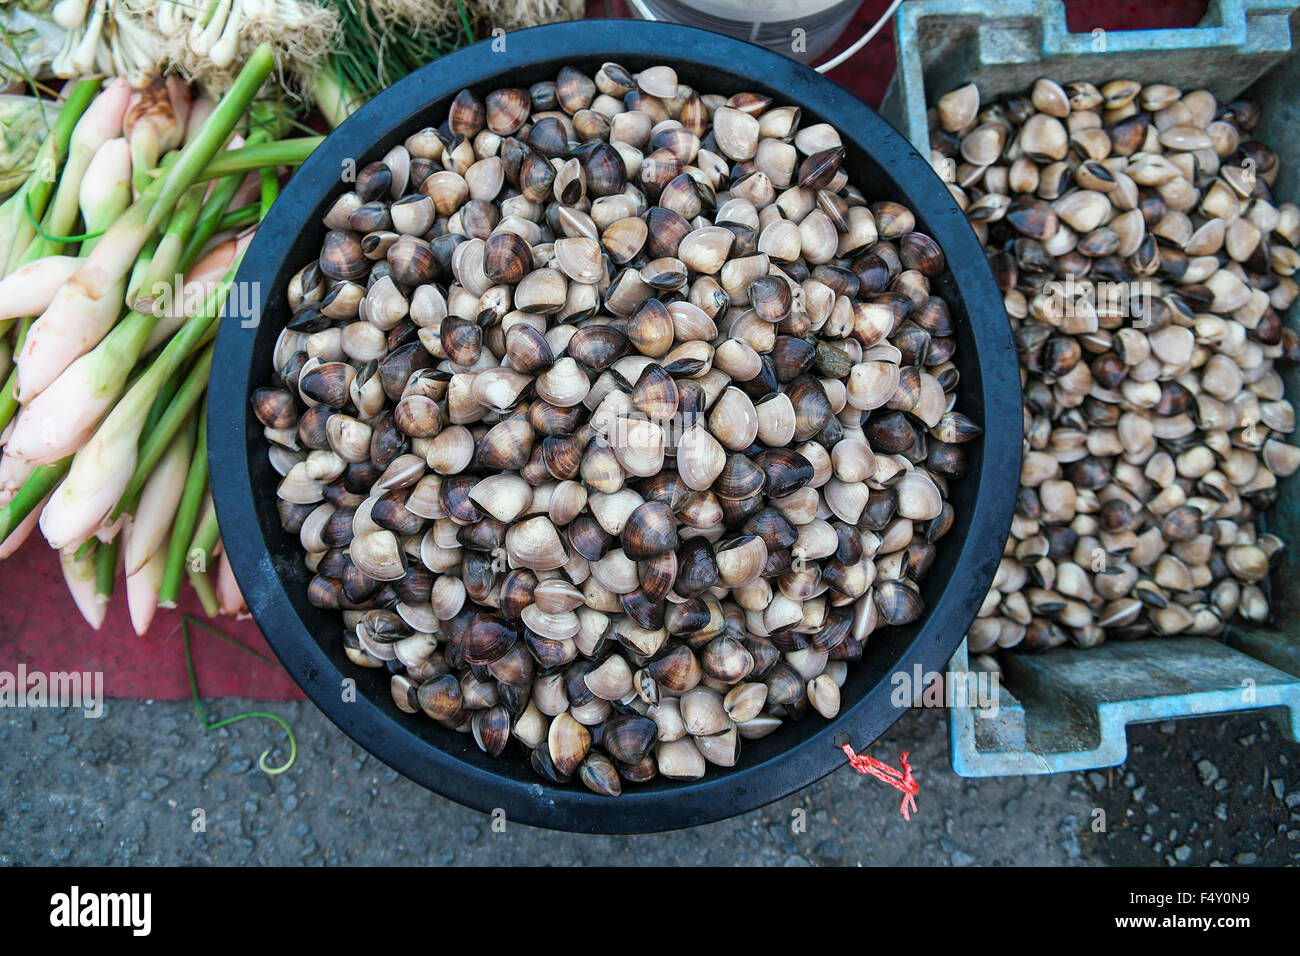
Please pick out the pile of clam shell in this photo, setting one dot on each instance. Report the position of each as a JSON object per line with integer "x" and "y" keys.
{"x": 1144, "y": 263}
{"x": 615, "y": 419}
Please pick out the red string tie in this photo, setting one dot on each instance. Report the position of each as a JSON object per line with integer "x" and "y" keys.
{"x": 904, "y": 781}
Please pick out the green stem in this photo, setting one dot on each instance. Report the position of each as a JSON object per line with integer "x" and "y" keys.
{"x": 333, "y": 93}
{"x": 145, "y": 249}
{"x": 50, "y": 237}
{"x": 34, "y": 194}
{"x": 144, "y": 155}
{"x": 65, "y": 208}
{"x": 265, "y": 121}
{"x": 9, "y": 392}
{"x": 106, "y": 567}
{"x": 112, "y": 362}
{"x": 167, "y": 257}
{"x": 156, "y": 441}
{"x": 203, "y": 587}
{"x": 187, "y": 514}
{"x": 38, "y": 484}
{"x": 143, "y": 264}
{"x": 46, "y": 242}
{"x": 213, "y": 212}
{"x": 10, "y": 210}
{"x": 248, "y": 159}
{"x": 119, "y": 351}
{"x": 206, "y": 535}
{"x": 199, "y": 557}
{"x": 239, "y": 218}
{"x": 165, "y": 395}
{"x": 210, "y": 218}
{"x": 223, "y": 192}
{"x": 119, "y": 437}
{"x": 199, "y": 151}
{"x": 270, "y": 189}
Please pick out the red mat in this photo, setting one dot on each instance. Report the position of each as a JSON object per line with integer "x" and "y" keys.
{"x": 41, "y": 628}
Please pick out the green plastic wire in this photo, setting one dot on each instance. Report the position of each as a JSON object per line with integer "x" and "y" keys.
{"x": 58, "y": 240}
{"x": 24, "y": 247}
{"x": 262, "y": 763}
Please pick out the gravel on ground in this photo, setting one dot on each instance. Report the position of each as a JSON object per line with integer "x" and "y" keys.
{"x": 146, "y": 785}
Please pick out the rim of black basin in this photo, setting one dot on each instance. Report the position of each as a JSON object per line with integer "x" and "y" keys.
{"x": 268, "y": 562}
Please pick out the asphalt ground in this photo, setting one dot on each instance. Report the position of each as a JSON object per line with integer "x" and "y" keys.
{"x": 132, "y": 787}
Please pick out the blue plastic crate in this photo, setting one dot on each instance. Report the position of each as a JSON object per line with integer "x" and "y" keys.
{"x": 1067, "y": 709}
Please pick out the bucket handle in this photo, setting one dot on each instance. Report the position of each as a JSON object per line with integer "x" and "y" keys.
{"x": 645, "y": 13}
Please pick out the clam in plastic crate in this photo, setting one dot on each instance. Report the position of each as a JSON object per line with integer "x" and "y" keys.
{"x": 1067, "y": 708}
